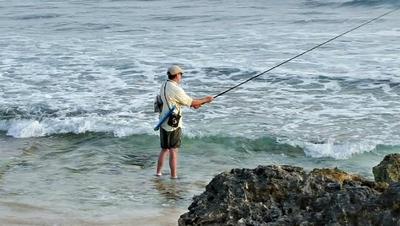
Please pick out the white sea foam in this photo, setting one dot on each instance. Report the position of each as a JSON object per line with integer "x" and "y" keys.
{"x": 336, "y": 150}
{"x": 25, "y": 128}
{"x": 77, "y": 125}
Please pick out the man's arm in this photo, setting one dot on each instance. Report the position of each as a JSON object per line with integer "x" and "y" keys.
{"x": 197, "y": 103}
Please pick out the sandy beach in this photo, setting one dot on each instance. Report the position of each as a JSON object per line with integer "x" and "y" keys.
{"x": 22, "y": 214}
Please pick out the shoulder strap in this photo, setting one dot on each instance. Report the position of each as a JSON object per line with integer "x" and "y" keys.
{"x": 165, "y": 97}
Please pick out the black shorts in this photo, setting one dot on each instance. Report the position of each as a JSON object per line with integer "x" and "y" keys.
{"x": 170, "y": 139}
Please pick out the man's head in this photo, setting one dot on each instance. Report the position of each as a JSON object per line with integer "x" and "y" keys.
{"x": 174, "y": 72}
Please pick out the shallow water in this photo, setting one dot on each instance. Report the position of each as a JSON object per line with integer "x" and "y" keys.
{"x": 101, "y": 178}
{"x": 78, "y": 78}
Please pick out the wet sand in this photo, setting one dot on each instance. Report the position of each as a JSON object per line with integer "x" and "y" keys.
{"x": 12, "y": 213}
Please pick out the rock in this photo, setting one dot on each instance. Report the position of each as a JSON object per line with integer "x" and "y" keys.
{"x": 287, "y": 195}
{"x": 388, "y": 170}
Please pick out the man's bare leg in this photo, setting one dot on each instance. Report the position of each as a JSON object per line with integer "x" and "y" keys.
{"x": 173, "y": 162}
{"x": 160, "y": 162}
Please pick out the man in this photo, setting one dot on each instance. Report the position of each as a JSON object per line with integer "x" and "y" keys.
{"x": 170, "y": 133}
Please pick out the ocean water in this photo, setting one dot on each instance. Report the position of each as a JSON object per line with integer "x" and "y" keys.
{"x": 78, "y": 79}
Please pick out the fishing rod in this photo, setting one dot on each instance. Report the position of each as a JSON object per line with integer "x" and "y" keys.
{"x": 309, "y": 50}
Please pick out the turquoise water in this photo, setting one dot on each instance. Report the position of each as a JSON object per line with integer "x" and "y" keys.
{"x": 78, "y": 78}
{"x": 96, "y": 176}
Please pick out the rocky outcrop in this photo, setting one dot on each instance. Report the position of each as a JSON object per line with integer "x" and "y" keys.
{"x": 388, "y": 170}
{"x": 287, "y": 195}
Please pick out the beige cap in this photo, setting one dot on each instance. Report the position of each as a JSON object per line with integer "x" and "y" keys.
{"x": 175, "y": 69}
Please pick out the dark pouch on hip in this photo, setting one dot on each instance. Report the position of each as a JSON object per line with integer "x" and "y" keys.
{"x": 173, "y": 120}
{"x": 158, "y": 104}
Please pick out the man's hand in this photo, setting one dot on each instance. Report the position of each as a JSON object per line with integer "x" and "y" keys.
{"x": 197, "y": 103}
{"x": 208, "y": 99}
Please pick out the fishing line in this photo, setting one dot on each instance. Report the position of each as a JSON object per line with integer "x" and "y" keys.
{"x": 309, "y": 50}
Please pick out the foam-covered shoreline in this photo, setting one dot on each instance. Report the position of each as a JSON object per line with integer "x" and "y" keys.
{"x": 80, "y": 126}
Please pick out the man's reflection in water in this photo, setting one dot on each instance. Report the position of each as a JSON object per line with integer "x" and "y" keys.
{"x": 170, "y": 189}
